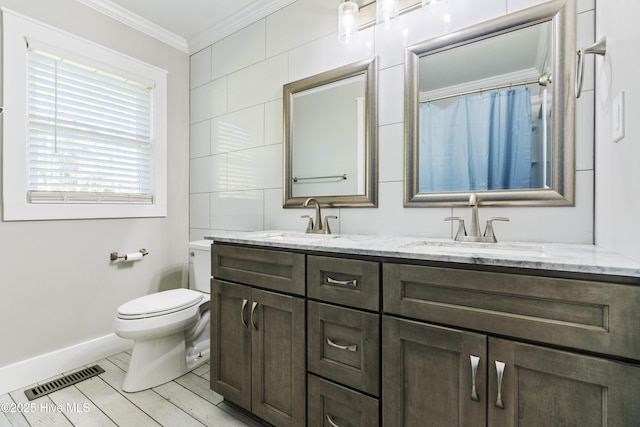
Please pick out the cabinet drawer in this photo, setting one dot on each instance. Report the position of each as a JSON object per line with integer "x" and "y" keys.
{"x": 344, "y": 281}
{"x": 344, "y": 345}
{"x": 593, "y": 316}
{"x": 331, "y": 404}
{"x": 275, "y": 270}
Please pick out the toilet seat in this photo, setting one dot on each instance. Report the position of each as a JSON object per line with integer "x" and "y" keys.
{"x": 159, "y": 304}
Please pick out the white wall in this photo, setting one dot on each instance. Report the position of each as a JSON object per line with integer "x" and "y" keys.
{"x": 617, "y": 172}
{"x": 57, "y": 286}
{"x": 238, "y": 80}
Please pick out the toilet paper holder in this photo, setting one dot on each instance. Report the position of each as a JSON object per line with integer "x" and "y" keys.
{"x": 113, "y": 256}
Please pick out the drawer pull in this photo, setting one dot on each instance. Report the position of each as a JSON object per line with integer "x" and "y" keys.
{"x": 331, "y": 422}
{"x": 474, "y": 370}
{"x": 353, "y": 283}
{"x": 253, "y": 310}
{"x": 500, "y": 372}
{"x": 242, "y": 311}
{"x": 352, "y": 347}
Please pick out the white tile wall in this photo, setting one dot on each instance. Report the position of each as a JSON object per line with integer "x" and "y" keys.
{"x": 255, "y": 169}
{"x": 391, "y": 149}
{"x": 391, "y": 95}
{"x": 239, "y": 130}
{"x": 239, "y": 50}
{"x": 327, "y": 53}
{"x": 273, "y": 115}
{"x": 257, "y": 83}
{"x": 237, "y": 124}
{"x": 238, "y": 210}
{"x": 208, "y": 100}
{"x": 300, "y": 23}
{"x": 200, "y": 210}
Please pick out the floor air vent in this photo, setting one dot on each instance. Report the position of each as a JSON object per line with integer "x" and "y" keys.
{"x": 62, "y": 382}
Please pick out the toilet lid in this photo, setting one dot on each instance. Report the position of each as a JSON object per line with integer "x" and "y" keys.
{"x": 160, "y": 303}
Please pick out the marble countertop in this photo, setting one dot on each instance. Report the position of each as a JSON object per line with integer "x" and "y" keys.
{"x": 588, "y": 259}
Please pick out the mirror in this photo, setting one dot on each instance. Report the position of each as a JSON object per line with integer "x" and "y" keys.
{"x": 330, "y": 137}
{"x": 490, "y": 110}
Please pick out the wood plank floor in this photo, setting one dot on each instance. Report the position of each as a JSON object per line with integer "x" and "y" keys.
{"x": 100, "y": 401}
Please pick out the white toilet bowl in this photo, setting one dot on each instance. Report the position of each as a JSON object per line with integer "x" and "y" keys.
{"x": 170, "y": 330}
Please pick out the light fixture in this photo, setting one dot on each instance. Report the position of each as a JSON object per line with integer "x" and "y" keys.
{"x": 386, "y": 11}
{"x": 347, "y": 21}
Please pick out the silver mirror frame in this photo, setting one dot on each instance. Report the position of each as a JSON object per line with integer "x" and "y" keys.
{"x": 562, "y": 14}
{"x": 368, "y": 67}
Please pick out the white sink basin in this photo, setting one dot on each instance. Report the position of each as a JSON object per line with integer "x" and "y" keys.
{"x": 292, "y": 235}
{"x": 452, "y": 247}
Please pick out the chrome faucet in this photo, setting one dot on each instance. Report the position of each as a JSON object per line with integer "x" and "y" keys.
{"x": 317, "y": 227}
{"x": 474, "y": 228}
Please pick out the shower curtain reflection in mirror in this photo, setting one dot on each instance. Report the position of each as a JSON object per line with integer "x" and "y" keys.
{"x": 492, "y": 143}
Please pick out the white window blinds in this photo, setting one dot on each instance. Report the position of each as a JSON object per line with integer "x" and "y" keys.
{"x": 90, "y": 134}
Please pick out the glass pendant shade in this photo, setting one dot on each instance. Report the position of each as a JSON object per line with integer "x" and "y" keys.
{"x": 347, "y": 21}
{"x": 386, "y": 11}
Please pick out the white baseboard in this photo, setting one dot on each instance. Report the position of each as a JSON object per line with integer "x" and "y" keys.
{"x": 27, "y": 372}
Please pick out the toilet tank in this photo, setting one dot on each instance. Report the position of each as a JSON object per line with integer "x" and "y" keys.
{"x": 200, "y": 265}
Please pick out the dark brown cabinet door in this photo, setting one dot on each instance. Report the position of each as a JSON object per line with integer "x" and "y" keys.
{"x": 278, "y": 363}
{"x": 547, "y": 387}
{"x": 257, "y": 351}
{"x": 428, "y": 378}
{"x": 231, "y": 342}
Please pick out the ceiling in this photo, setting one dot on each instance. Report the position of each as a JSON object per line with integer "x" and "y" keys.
{"x": 186, "y": 23}
{"x": 184, "y": 18}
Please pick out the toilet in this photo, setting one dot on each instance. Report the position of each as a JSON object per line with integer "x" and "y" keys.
{"x": 170, "y": 329}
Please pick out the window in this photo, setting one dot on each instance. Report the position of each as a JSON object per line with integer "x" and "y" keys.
{"x": 88, "y": 134}
{"x": 82, "y": 134}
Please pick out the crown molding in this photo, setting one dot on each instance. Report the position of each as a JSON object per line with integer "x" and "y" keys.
{"x": 243, "y": 18}
{"x": 137, "y": 22}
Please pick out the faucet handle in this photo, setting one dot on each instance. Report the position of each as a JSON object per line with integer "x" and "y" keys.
{"x": 326, "y": 228}
{"x": 489, "y": 235}
{"x": 462, "y": 231}
{"x": 310, "y": 224}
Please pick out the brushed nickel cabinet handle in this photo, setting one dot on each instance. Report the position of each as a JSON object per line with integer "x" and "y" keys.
{"x": 331, "y": 422}
{"x": 351, "y": 283}
{"x": 253, "y": 310}
{"x": 475, "y": 360}
{"x": 352, "y": 347}
{"x": 242, "y": 311}
{"x": 500, "y": 372}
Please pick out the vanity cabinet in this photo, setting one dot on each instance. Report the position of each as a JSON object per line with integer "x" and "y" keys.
{"x": 258, "y": 335}
{"x": 435, "y": 375}
{"x": 343, "y": 341}
{"x": 304, "y": 338}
